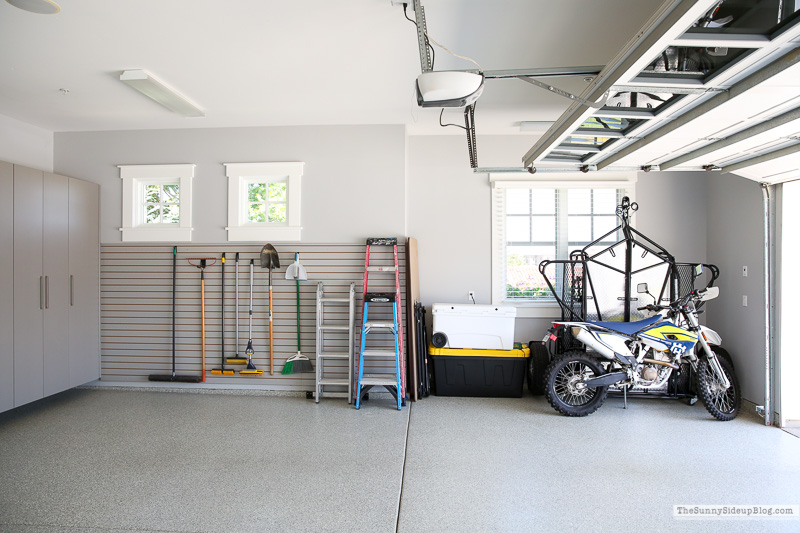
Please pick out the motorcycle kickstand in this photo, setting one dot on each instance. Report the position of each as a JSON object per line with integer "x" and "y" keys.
{"x": 624, "y": 397}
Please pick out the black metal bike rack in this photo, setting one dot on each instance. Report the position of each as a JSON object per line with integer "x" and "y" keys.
{"x": 599, "y": 281}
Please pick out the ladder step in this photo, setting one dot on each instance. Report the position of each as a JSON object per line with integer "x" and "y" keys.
{"x": 382, "y": 268}
{"x": 379, "y": 297}
{"x": 381, "y": 241}
{"x": 379, "y": 324}
{"x": 379, "y": 379}
{"x": 333, "y": 381}
{"x": 379, "y": 353}
{"x": 335, "y": 394}
{"x": 334, "y": 328}
{"x": 338, "y": 300}
{"x": 333, "y": 355}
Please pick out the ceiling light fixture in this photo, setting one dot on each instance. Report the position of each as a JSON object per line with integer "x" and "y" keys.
{"x": 151, "y": 87}
{"x": 41, "y": 7}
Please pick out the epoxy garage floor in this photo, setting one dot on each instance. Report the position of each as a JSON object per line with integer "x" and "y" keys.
{"x": 93, "y": 460}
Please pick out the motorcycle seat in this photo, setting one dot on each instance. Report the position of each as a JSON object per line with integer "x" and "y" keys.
{"x": 628, "y": 328}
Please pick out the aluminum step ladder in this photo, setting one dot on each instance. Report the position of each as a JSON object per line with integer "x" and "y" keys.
{"x": 394, "y": 381}
{"x": 333, "y": 350}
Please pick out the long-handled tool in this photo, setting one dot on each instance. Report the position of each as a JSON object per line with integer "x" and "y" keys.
{"x": 251, "y": 368}
{"x": 298, "y": 362}
{"x": 270, "y": 260}
{"x": 236, "y": 360}
{"x": 174, "y": 376}
{"x": 222, "y": 371}
{"x": 202, "y": 264}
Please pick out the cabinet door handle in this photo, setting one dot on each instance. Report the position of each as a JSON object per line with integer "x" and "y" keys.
{"x": 41, "y": 292}
{"x": 71, "y": 290}
{"x": 47, "y": 292}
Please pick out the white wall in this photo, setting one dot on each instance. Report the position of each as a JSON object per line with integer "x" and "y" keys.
{"x": 450, "y": 207}
{"x": 24, "y": 144}
{"x": 353, "y": 183}
{"x": 672, "y": 212}
{"x": 736, "y": 239}
{"x": 365, "y": 181}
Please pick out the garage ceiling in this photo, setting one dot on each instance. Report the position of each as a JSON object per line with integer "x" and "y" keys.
{"x": 688, "y": 97}
{"x": 278, "y": 63}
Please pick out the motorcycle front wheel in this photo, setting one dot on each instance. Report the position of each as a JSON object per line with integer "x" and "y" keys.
{"x": 563, "y": 380}
{"x": 723, "y": 404}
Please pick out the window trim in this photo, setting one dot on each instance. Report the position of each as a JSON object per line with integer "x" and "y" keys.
{"x": 616, "y": 180}
{"x": 134, "y": 178}
{"x": 239, "y": 175}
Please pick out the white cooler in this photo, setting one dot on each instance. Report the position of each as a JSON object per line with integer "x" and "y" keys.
{"x": 478, "y": 327}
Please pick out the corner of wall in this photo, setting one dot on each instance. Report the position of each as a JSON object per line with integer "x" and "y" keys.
{"x": 25, "y": 144}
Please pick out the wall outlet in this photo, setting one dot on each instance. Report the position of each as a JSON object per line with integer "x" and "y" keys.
{"x": 744, "y": 300}
{"x": 744, "y": 271}
{"x": 471, "y": 296}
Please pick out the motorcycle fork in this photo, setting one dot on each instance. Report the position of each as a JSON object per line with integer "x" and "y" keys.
{"x": 713, "y": 361}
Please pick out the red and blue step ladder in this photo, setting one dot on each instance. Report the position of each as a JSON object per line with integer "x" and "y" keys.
{"x": 394, "y": 382}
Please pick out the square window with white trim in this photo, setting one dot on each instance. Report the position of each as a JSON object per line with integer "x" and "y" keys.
{"x": 156, "y": 202}
{"x": 537, "y": 221}
{"x": 264, "y": 201}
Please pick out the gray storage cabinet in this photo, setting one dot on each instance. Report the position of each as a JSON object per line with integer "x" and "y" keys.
{"x": 54, "y": 342}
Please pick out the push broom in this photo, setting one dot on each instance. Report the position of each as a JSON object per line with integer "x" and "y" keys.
{"x": 222, "y": 371}
{"x": 298, "y": 362}
{"x": 174, "y": 376}
{"x": 236, "y": 359}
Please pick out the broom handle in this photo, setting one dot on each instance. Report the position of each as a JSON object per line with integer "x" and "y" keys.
{"x": 297, "y": 285}
{"x": 203, "y": 320}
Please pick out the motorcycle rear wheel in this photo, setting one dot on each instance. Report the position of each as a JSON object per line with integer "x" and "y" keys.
{"x": 561, "y": 384}
{"x": 721, "y": 403}
{"x": 537, "y": 363}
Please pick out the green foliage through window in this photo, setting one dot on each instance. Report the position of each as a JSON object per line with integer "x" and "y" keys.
{"x": 266, "y": 202}
{"x": 161, "y": 204}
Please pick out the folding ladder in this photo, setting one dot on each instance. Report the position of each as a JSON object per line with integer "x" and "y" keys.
{"x": 394, "y": 382}
{"x": 334, "y": 352}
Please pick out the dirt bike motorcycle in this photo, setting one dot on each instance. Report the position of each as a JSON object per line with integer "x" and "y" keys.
{"x": 642, "y": 354}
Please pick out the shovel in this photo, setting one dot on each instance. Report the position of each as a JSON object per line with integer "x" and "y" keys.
{"x": 270, "y": 260}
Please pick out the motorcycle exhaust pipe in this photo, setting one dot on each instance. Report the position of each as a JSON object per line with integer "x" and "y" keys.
{"x": 663, "y": 363}
{"x": 589, "y": 340}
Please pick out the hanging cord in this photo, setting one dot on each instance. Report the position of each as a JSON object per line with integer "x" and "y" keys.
{"x": 431, "y": 39}
{"x": 427, "y": 42}
{"x": 446, "y": 125}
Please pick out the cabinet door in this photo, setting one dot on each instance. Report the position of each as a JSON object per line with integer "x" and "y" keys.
{"x": 56, "y": 283}
{"x": 84, "y": 269}
{"x": 28, "y": 286}
{"x": 6, "y": 286}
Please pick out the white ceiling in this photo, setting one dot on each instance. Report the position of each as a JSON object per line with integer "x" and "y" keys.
{"x": 310, "y": 62}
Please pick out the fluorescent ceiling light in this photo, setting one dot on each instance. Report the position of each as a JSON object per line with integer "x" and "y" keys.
{"x": 151, "y": 87}
{"x": 42, "y": 7}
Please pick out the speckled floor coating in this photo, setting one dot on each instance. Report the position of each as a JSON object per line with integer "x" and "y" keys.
{"x": 132, "y": 461}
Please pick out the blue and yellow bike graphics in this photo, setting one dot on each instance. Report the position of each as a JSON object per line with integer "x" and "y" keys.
{"x": 677, "y": 340}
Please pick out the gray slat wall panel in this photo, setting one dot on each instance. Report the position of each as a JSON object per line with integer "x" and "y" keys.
{"x": 136, "y": 309}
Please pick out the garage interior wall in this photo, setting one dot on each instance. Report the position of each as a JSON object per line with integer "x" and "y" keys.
{"x": 361, "y": 181}
{"x": 25, "y": 144}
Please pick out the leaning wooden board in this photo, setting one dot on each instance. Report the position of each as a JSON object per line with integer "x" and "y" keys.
{"x": 412, "y": 292}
